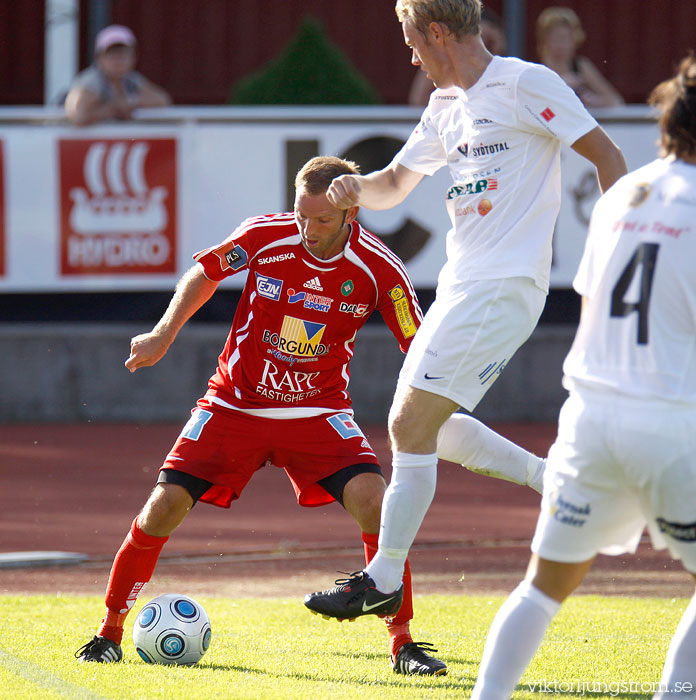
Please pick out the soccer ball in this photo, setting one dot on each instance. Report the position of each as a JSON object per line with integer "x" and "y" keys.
{"x": 172, "y": 629}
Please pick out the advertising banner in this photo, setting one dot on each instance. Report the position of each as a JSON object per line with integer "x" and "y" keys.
{"x": 124, "y": 206}
{"x": 118, "y": 201}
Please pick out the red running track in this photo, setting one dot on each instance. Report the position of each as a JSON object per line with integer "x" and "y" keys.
{"x": 76, "y": 488}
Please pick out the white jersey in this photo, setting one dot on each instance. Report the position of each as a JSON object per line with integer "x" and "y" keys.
{"x": 637, "y": 335}
{"x": 501, "y": 141}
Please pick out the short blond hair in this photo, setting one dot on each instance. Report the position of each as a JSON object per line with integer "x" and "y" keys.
{"x": 556, "y": 17}
{"x": 461, "y": 17}
{"x": 317, "y": 174}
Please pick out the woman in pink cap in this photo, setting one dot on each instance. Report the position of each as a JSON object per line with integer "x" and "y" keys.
{"x": 110, "y": 88}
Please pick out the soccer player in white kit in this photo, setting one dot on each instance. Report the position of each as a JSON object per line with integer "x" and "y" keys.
{"x": 625, "y": 455}
{"x": 498, "y": 125}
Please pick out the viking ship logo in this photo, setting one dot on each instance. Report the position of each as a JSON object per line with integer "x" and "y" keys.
{"x": 118, "y": 206}
{"x": 117, "y": 198}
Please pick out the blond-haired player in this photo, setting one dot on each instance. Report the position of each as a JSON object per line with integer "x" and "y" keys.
{"x": 497, "y": 124}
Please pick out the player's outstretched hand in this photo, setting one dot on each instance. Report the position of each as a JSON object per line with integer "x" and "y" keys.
{"x": 146, "y": 350}
{"x": 344, "y": 191}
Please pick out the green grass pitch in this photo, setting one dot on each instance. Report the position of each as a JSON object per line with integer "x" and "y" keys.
{"x": 274, "y": 649}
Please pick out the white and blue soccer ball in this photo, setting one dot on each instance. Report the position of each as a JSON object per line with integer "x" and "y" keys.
{"x": 172, "y": 629}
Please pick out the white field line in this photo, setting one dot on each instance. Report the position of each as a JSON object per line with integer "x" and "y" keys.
{"x": 45, "y": 679}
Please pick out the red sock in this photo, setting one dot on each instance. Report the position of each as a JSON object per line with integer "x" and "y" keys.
{"x": 398, "y": 625}
{"x": 133, "y": 566}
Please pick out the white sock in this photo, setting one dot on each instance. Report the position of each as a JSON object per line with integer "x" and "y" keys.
{"x": 680, "y": 664}
{"x": 513, "y": 639}
{"x": 464, "y": 440}
{"x": 405, "y": 504}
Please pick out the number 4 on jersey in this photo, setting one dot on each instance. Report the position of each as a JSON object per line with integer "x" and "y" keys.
{"x": 645, "y": 255}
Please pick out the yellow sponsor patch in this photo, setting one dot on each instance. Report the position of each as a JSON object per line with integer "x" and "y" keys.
{"x": 403, "y": 316}
{"x": 397, "y": 292}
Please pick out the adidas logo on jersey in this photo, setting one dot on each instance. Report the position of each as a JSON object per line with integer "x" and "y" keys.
{"x": 314, "y": 283}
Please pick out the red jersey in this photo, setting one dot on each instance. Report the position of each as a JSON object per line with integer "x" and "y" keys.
{"x": 294, "y": 328}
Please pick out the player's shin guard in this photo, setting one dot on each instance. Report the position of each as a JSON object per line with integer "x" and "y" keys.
{"x": 397, "y": 625}
{"x": 513, "y": 639}
{"x": 405, "y": 504}
{"x": 466, "y": 441}
{"x": 133, "y": 566}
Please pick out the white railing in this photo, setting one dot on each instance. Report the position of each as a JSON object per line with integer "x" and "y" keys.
{"x": 124, "y": 205}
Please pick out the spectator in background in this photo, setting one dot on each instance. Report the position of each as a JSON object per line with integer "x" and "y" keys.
{"x": 110, "y": 88}
{"x": 493, "y": 36}
{"x": 559, "y": 34}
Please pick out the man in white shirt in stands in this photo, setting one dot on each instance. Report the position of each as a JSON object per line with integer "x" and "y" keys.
{"x": 498, "y": 125}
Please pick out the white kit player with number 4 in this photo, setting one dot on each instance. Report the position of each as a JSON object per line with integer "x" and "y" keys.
{"x": 625, "y": 455}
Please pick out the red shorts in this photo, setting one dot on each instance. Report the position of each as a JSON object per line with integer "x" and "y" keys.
{"x": 226, "y": 447}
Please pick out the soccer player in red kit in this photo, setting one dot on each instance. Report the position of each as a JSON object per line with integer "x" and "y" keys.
{"x": 314, "y": 277}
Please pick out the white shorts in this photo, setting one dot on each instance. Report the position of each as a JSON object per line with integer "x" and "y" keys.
{"x": 469, "y": 334}
{"x": 617, "y": 465}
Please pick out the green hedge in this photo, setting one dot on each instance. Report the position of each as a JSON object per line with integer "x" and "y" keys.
{"x": 311, "y": 70}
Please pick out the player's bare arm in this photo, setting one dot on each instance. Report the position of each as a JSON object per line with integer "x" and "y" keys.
{"x": 607, "y": 157}
{"x": 382, "y": 189}
{"x": 192, "y": 291}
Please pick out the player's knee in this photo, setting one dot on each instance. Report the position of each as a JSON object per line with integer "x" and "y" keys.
{"x": 362, "y": 498}
{"x": 164, "y": 510}
{"x": 404, "y": 429}
{"x": 370, "y": 516}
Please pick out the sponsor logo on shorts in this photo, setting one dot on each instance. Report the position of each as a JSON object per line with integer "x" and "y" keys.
{"x": 428, "y": 376}
{"x": 402, "y": 310}
{"x": 346, "y": 427}
{"x": 275, "y": 258}
{"x": 268, "y": 287}
{"x": 547, "y": 114}
{"x": 568, "y": 513}
{"x": 358, "y": 310}
{"x": 298, "y": 337}
{"x": 310, "y": 301}
{"x": 287, "y": 386}
{"x": 684, "y": 532}
{"x": 492, "y": 371}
